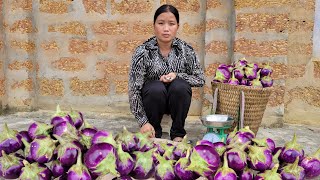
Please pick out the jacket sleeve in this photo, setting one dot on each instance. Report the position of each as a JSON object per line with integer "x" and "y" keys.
{"x": 135, "y": 84}
{"x": 194, "y": 74}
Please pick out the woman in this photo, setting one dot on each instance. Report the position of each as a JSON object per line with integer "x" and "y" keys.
{"x": 163, "y": 70}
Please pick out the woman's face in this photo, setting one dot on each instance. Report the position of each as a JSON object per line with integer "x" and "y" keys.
{"x": 166, "y": 27}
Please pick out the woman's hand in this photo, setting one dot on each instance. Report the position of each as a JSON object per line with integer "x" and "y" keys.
{"x": 168, "y": 77}
{"x": 148, "y": 128}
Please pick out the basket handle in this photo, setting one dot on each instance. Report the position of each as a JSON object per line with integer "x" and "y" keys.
{"x": 215, "y": 102}
{"x": 241, "y": 117}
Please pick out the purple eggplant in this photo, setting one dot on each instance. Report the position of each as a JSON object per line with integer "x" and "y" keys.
{"x": 161, "y": 147}
{"x": 57, "y": 169}
{"x": 100, "y": 159}
{"x": 222, "y": 74}
{"x": 260, "y": 158}
{"x": 60, "y": 116}
{"x": 244, "y": 81}
{"x": 164, "y": 170}
{"x": 144, "y": 167}
{"x": 237, "y": 157}
{"x": 247, "y": 132}
{"x": 78, "y": 171}
{"x": 168, "y": 153}
{"x": 144, "y": 143}
{"x": 24, "y": 135}
{"x": 103, "y": 136}
{"x": 250, "y": 73}
{"x": 67, "y": 151}
{"x": 9, "y": 141}
{"x": 220, "y": 147}
{"x": 269, "y": 174}
{"x": 266, "y": 81}
{"x": 311, "y": 164}
{"x": 293, "y": 171}
{"x": 266, "y": 70}
{"x": 205, "y": 161}
{"x": 231, "y": 135}
{"x": 127, "y": 139}
{"x": 241, "y": 63}
{"x": 225, "y": 173}
{"x": 181, "y": 148}
{"x": 265, "y": 142}
{"x": 256, "y": 82}
{"x": 10, "y": 166}
{"x": 125, "y": 162}
{"x": 86, "y": 136}
{"x": 38, "y": 129}
{"x": 275, "y": 159}
{"x": 180, "y": 168}
{"x": 42, "y": 149}
{"x": 77, "y": 118}
{"x": 35, "y": 171}
{"x": 204, "y": 142}
{"x": 65, "y": 130}
{"x": 238, "y": 74}
{"x": 26, "y": 152}
{"x": 291, "y": 151}
{"x": 253, "y": 66}
{"x": 233, "y": 80}
{"x": 246, "y": 174}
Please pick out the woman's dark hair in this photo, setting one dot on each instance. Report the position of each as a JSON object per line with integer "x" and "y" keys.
{"x": 166, "y": 8}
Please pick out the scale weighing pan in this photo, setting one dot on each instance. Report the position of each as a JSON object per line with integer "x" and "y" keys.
{"x": 217, "y": 120}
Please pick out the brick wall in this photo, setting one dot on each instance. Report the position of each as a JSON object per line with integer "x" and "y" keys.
{"x": 77, "y": 53}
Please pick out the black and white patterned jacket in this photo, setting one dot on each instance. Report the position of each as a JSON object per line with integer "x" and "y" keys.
{"x": 148, "y": 64}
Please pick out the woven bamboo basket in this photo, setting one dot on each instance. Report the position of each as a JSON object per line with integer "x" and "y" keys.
{"x": 255, "y": 102}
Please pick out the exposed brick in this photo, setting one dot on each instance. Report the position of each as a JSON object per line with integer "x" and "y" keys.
{"x": 210, "y": 70}
{"x": 27, "y": 102}
{"x": 296, "y": 71}
{"x": 316, "y": 69}
{"x": 263, "y": 49}
{"x": 1, "y": 64}
{"x": 300, "y": 26}
{"x": 192, "y": 30}
{"x": 51, "y": 87}
{"x": 217, "y": 47}
{"x": 68, "y": 64}
{"x": 208, "y": 89}
{"x": 277, "y": 96}
{"x": 99, "y": 6}
{"x": 260, "y": 3}
{"x": 1, "y": 44}
{"x": 74, "y": 27}
{"x": 26, "y": 84}
{"x": 300, "y": 48}
{"x": 111, "y": 28}
{"x": 215, "y": 24}
{"x": 27, "y": 45}
{"x": 261, "y": 22}
{"x": 21, "y": 4}
{"x": 196, "y": 93}
{"x": 131, "y": 6}
{"x": 127, "y": 46}
{"x": 113, "y": 68}
{"x": 17, "y": 65}
{"x": 52, "y": 45}
{"x": 306, "y": 4}
{"x": 184, "y": 6}
{"x": 23, "y": 26}
{"x": 212, "y": 4}
{"x": 98, "y": 87}
{"x": 310, "y": 95}
{"x": 2, "y": 87}
{"x": 140, "y": 28}
{"x": 280, "y": 70}
{"x": 80, "y": 46}
{"x": 121, "y": 87}
{"x": 54, "y": 7}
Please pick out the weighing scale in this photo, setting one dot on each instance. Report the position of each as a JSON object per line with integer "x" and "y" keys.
{"x": 216, "y": 124}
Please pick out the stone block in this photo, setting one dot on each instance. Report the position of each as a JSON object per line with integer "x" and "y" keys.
{"x": 96, "y": 87}
{"x": 68, "y": 64}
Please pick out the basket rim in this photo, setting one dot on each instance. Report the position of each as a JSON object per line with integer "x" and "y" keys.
{"x": 243, "y": 86}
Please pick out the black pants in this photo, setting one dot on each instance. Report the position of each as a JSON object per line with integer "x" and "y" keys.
{"x": 174, "y": 98}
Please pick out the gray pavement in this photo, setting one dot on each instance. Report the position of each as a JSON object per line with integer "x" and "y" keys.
{"x": 308, "y": 137}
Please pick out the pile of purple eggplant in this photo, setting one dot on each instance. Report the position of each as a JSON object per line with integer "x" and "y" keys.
{"x": 243, "y": 73}
{"x": 72, "y": 149}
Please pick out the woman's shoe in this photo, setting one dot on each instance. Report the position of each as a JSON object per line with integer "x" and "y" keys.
{"x": 177, "y": 139}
